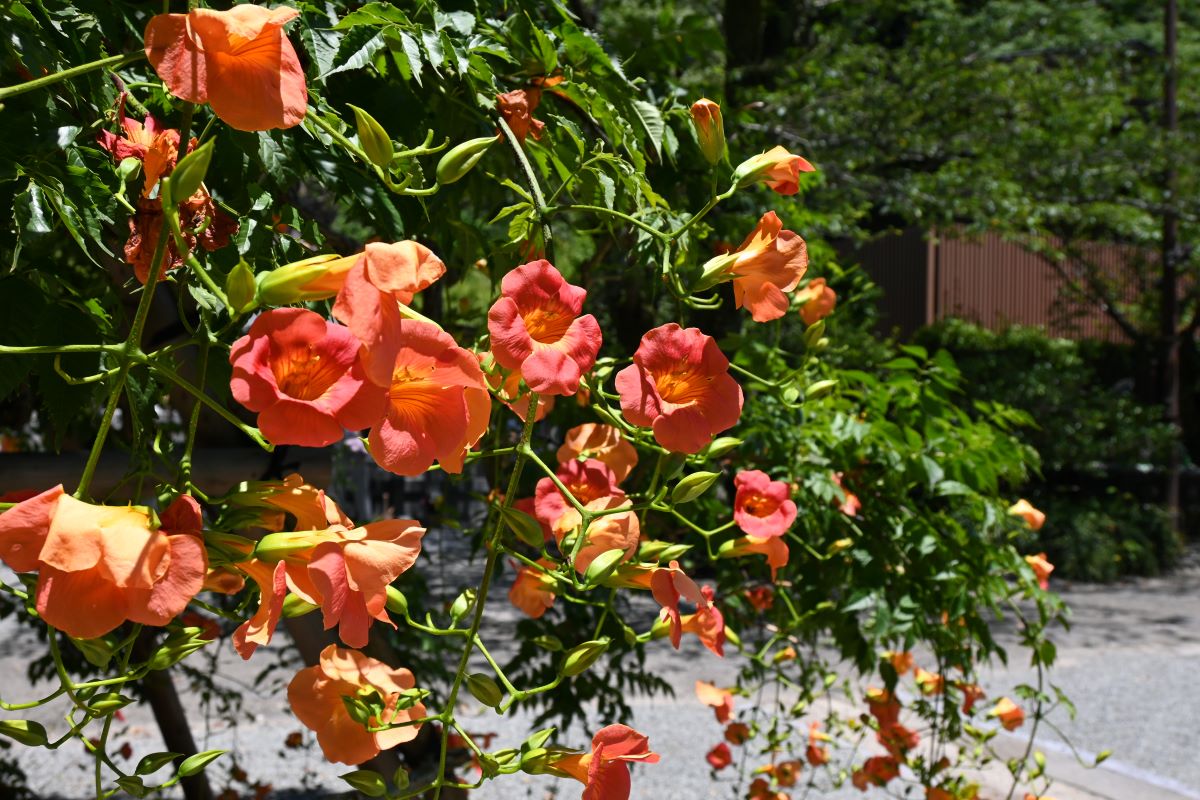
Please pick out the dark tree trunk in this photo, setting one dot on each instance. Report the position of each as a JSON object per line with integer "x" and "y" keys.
{"x": 172, "y": 720}
{"x": 1169, "y": 335}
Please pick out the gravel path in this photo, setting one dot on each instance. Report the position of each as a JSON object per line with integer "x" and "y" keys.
{"x": 1129, "y": 663}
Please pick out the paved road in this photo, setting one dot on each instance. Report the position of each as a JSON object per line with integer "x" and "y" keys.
{"x": 1129, "y": 662}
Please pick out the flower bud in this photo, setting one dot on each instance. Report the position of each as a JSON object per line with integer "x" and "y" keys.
{"x": 777, "y": 168}
{"x": 188, "y": 175}
{"x": 240, "y": 288}
{"x": 580, "y": 657}
{"x": 373, "y": 138}
{"x": 316, "y": 278}
{"x": 710, "y": 130}
{"x": 693, "y": 486}
{"x": 484, "y": 689}
{"x": 459, "y": 160}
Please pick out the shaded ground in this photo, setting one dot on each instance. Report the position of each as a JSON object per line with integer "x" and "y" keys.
{"x": 1129, "y": 663}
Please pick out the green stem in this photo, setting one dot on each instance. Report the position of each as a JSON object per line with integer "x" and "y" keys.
{"x": 539, "y": 199}
{"x": 185, "y": 463}
{"x": 101, "y": 747}
{"x": 650, "y": 229}
{"x": 60, "y": 348}
{"x": 481, "y": 596}
{"x": 225, "y": 414}
{"x": 114, "y": 62}
{"x": 133, "y": 342}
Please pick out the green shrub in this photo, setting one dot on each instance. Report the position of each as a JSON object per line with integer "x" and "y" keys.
{"x": 1091, "y": 437}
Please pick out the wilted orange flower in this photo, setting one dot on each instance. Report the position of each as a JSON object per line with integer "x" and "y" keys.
{"x": 883, "y": 705}
{"x": 99, "y": 566}
{"x": 708, "y": 623}
{"x": 318, "y": 693}
{"x": 601, "y": 442}
{"x": 384, "y": 275}
{"x": 777, "y": 168}
{"x": 850, "y": 505}
{"x": 679, "y": 385}
{"x": 721, "y": 700}
{"x": 197, "y": 212}
{"x": 536, "y": 328}
{"x": 786, "y": 772}
{"x": 517, "y": 108}
{"x": 933, "y": 793}
{"x": 817, "y": 301}
{"x": 605, "y": 771}
{"x": 760, "y": 789}
{"x": 897, "y": 739}
{"x": 710, "y": 130}
{"x": 737, "y": 733}
{"x": 1033, "y": 518}
{"x": 533, "y": 590}
{"x": 720, "y": 756}
{"x": 1010, "y": 715}
{"x": 149, "y": 142}
{"x": 761, "y": 597}
{"x": 972, "y": 694}
{"x": 1041, "y": 568}
{"x": 769, "y": 264}
{"x": 238, "y": 61}
{"x": 438, "y": 405}
{"x": 929, "y": 683}
{"x": 302, "y": 375}
{"x": 901, "y": 662}
{"x": 773, "y": 547}
{"x": 877, "y": 771}
{"x": 347, "y": 573}
{"x": 817, "y": 753}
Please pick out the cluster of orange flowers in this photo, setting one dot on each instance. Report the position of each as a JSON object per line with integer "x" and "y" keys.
{"x": 427, "y": 400}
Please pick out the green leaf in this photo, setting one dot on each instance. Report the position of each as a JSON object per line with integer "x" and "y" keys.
{"x": 652, "y": 123}
{"x": 544, "y": 49}
{"x": 412, "y": 52}
{"x": 356, "y": 51}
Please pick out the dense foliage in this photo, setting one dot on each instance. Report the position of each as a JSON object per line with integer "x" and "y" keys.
{"x": 483, "y": 211}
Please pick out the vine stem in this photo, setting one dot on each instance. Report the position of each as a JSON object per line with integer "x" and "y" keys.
{"x": 133, "y": 342}
{"x": 485, "y": 583}
{"x": 115, "y": 62}
{"x": 100, "y": 748}
{"x": 534, "y": 186}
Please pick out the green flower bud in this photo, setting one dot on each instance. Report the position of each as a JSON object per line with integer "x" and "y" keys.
{"x": 484, "y": 689}
{"x": 372, "y": 138}
{"x": 603, "y": 565}
{"x": 693, "y": 486}
{"x": 188, "y": 175}
{"x": 240, "y": 288}
{"x": 460, "y": 159}
{"x": 580, "y": 657}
